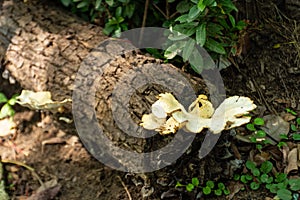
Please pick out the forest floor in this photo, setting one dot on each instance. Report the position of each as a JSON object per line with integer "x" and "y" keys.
{"x": 266, "y": 73}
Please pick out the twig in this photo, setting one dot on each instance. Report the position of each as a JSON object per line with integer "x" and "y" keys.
{"x": 144, "y": 21}
{"x": 125, "y": 188}
{"x": 155, "y": 6}
{"x": 27, "y": 167}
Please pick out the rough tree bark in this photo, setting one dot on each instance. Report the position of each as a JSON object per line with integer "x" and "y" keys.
{"x": 42, "y": 47}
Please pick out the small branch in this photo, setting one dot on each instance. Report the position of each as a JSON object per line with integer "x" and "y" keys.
{"x": 125, "y": 188}
{"x": 144, "y": 21}
{"x": 167, "y": 10}
{"x": 155, "y": 6}
{"x": 25, "y": 166}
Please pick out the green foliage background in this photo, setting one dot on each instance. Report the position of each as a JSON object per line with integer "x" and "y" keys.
{"x": 210, "y": 23}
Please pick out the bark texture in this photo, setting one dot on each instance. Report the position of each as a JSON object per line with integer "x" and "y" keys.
{"x": 43, "y": 48}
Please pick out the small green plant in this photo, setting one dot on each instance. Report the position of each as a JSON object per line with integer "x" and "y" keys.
{"x": 211, "y": 24}
{"x": 259, "y": 136}
{"x": 209, "y": 188}
{"x": 258, "y": 176}
{"x": 7, "y": 106}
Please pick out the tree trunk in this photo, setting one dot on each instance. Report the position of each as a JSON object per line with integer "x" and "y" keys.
{"x": 43, "y": 47}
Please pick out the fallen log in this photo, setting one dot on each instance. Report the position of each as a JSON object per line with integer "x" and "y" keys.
{"x": 43, "y": 47}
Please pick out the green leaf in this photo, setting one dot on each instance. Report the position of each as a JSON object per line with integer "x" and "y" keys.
{"x": 236, "y": 177}
{"x": 244, "y": 179}
{"x": 110, "y": 2}
{"x": 65, "y": 2}
{"x": 182, "y": 18}
{"x": 296, "y": 136}
{"x": 218, "y": 192}
{"x": 215, "y": 46}
{"x": 97, "y": 4}
{"x": 3, "y": 98}
{"x": 195, "y": 181}
{"x": 284, "y": 194}
{"x": 174, "y": 49}
{"x": 298, "y": 120}
{"x": 290, "y": 111}
{"x": 293, "y": 127}
{"x": 188, "y": 49}
{"x": 83, "y": 4}
{"x": 254, "y": 185}
{"x": 250, "y": 165}
{"x": 283, "y": 137}
{"x": 201, "y": 34}
{"x": 294, "y": 184}
{"x": 266, "y": 167}
{"x": 210, "y": 184}
{"x": 251, "y": 127}
{"x": 189, "y": 187}
{"x": 264, "y": 178}
{"x": 129, "y": 10}
{"x": 6, "y": 111}
{"x": 232, "y": 20}
{"x": 260, "y": 134}
{"x": 280, "y": 177}
{"x": 178, "y": 184}
{"x": 255, "y": 172}
{"x": 221, "y": 186}
{"x": 201, "y": 5}
{"x": 206, "y": 190}
{"x": 194, "y": 11}
{"x": 241, "y": 25}
{"x": 248, "y": 177}
{"x": 228, "y": 4}
{"x": 118, "y": 12}
{"x": 270, "y": 180}
{"x": 226, "y": 192}
{"x": 183, "y": 6}
{"x": 259, "y": 121}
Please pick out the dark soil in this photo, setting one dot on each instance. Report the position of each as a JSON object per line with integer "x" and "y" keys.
{"x": 268, "y": 75}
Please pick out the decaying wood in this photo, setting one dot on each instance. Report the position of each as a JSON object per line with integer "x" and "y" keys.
{"x": 43, "y": 48}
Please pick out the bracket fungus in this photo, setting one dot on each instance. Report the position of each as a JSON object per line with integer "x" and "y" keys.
{"x": 168, "y": 115}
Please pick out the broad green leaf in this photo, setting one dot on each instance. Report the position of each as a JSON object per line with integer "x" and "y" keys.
{"x": 3, "y": 98}
{"x": 171, "y": 1}
{"x": 195, "y": 1}
{"x": 65, "y": 2}
{"x": 97, "y": 4}
{"x": 201, "y": 34}
{"x": 110, "y": 2}
{"x": 260, "y": 134}
{"x": 188, "y": 49}
{"x": 75, "y": 1}
{"x": 214, "y": 46}
{"x": 82, "y": 4}
{"x": 194, "y": 11}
